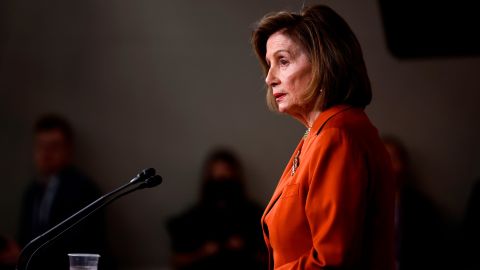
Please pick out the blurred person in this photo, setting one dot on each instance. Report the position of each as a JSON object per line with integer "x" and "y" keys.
{"x": 471, "y": 230}
{"x": 57, "y": 191}
{"x": 333, "y": 207}
{"x": 421, "y": 233}
{"x": 9, "y": 251}
{"x": 221, "y": 231}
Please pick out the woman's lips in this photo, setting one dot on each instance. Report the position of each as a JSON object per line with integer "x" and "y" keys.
{"x": 279, "y": 96}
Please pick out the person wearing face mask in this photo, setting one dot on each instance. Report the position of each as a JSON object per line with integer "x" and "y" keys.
{"x": 221, "y": 231}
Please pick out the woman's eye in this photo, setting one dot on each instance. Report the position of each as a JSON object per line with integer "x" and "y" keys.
{"x": 283, "y": 62}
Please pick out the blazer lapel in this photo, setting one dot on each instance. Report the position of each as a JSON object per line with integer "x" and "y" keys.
{"x": 284, "y": 179}
{"x": 317, "y": 126}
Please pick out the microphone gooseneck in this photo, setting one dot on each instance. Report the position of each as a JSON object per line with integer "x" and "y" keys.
{"x": 145, "y": 179}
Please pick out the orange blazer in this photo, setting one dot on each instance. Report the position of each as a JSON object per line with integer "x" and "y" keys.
{"x": 335, "y": 208}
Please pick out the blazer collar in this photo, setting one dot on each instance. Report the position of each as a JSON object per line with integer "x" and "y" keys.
{"x": 326, "y": 115}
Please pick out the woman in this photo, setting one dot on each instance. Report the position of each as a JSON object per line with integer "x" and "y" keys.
{"x": 333, "y": 206}
{"x": 223, "y": 226}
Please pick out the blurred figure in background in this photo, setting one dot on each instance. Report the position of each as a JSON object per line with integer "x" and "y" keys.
{"x": 57, "y": 191}
{"x": 471, "y": 230}
{"x": 420, "y": 230}
{"x": 222, "y": 230}
{"x": 9, "y": 251}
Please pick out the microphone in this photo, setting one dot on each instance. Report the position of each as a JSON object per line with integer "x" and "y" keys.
{"x": 145, "y": 179}
{"x": 143, "y": 175}
{"x": 151, "y": 182}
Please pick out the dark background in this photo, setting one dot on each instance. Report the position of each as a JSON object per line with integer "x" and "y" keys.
{"x": 159, "y": 83}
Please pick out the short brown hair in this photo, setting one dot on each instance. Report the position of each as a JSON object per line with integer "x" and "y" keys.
{"x": 339, "y": 75}
{"x": 51, "y": 122}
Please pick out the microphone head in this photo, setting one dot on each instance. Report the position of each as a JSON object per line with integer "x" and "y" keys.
{"x": 149, "y": 172}
{"x": 152, "y": 181}
{"x": 145, "y": 174}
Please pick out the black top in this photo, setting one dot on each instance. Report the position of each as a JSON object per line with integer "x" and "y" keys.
{"x": 207, "y": 222}
{"x": 72, "y": 191}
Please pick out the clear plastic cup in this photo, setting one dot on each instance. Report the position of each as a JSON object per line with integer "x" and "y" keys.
{"x": 82, "y": 261}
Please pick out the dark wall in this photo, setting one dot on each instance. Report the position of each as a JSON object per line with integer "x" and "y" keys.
{"x": 158, "y": 83}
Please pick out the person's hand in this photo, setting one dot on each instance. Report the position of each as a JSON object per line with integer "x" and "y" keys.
{"x": 186, "y": 259}
{"x": 210, "y": 248}
{"x": 9, "y": 254}
{"x": 235, "y": 242}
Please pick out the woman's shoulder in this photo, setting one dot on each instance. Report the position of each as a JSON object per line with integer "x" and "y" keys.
{"x": 351, "y": 125}
{"x": 350, "y": 118}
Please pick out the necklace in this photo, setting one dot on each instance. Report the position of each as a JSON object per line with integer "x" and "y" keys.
{"x": 296, "y": 159}
{"x": 306, "y": 132}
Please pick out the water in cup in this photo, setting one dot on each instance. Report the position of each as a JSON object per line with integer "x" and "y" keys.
{"x": 83, "y": 261}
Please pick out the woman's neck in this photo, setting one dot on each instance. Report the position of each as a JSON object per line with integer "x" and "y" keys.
{"x": 307, "y": 118}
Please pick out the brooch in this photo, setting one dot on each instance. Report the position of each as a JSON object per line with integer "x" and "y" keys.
{"x": 296, "y": 162}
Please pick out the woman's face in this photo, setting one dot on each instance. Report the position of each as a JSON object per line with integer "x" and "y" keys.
{"x": 289, "y": 72}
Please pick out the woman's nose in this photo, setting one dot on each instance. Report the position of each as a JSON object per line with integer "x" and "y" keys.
{"x": 271, "y": 78}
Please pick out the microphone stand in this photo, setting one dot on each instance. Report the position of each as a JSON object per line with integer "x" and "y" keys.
{"x": 145, "y": 179}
